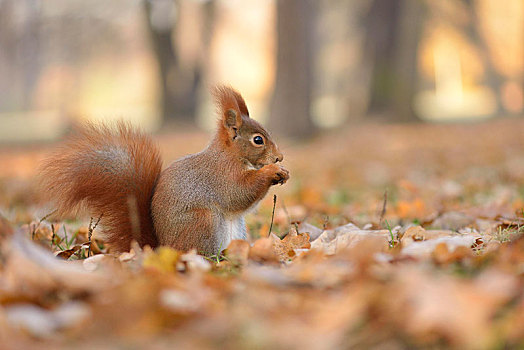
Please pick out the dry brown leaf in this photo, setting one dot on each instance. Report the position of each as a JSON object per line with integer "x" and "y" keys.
{"x": 424, "y": 249}
{"x": 192, "y": 262}
{"x": 313, "y": 231}
{"x": 39, "y": 232}
{"x": 44, "y": 323}
{"x": 285, "y": 248}
{"x": 429, "y": 304}
{"x": 415, "y": 233}
{"x": 442, "y": 255}
{"x": 262, "y": 250}
{"x": 32, "y": 270}
{"x": 101, "y": 261}
{"x": 237, "y": 252}
{"x": 343, "y": 237}
{"x": 82, "y": 234}
{"x": 66, "y": 254}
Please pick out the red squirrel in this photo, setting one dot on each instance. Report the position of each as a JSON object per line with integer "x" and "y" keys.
{"x": 199, "y": 201}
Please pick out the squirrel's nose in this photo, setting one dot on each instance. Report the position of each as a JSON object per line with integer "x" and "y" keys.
{"x": 279, "y": 157}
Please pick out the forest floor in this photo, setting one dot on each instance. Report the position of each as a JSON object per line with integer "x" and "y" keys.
{"x": 385, "y": 237}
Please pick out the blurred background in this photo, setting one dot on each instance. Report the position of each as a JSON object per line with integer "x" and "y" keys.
{"x": 302, "y": 65}
{"x": 388, "y": 112}
{"x": 422, "y": 99}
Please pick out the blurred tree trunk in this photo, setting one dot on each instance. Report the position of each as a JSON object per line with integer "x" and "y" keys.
{"x": 472, "y": 31}
{"x": 179, "y": 90}
{"x": 161, "y": 26}
{"x": 7, "y": 53}
{"x": 392, "y": 36}
{"x": 20, "y": 53}
{"x": 30, "y": 52}
{"x": 291, "y": 103}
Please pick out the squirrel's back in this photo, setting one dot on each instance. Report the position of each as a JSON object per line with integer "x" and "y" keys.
{"x": 113, "y": 172}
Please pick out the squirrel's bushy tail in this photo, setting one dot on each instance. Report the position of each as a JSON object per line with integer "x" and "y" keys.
{"x": 111, "y": 171}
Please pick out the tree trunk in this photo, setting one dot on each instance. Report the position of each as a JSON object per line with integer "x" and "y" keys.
{"x": 20, "y": 54}
{"x": 493, "y": 78}
{"x": 161, "y": 30}
{"x": 179, "y": 85}
{"x": 392, "y": 37}
{"x": 291, "y": 103}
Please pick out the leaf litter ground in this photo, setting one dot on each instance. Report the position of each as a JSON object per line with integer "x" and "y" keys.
{"x": 386, "y": 236}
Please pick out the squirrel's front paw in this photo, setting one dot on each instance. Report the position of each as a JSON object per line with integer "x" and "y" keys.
{"x": 280, "y": 176}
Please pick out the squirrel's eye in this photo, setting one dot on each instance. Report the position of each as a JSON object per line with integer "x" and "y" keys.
{"x": 258, "y": 140}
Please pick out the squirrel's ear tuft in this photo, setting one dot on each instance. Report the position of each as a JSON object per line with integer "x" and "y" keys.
{"x": 241, "y": 103}
{"x": 228, "y": 98}
{"x": 229, "y": 110}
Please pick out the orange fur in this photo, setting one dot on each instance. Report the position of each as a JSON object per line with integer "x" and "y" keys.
{"x": 112, "y": 172}
{"x": 199, "y": 201}
{"x": 228, "y": 98}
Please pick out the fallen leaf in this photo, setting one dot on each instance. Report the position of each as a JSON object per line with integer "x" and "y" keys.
{"x": 32, "y": 269}
{"x": 442, "y": 255}
{"x": 191, "y": 261}
{"x": 44, "y": 323}
{"x": 313, "y": 231}
{"x": 415, "y": 233}
{"x": 262, "y": 250}
{"x": 345, "y": 237}
{"x": 425, "y": 249}
{"x": 163, "y": 259}
{"x": 66, "y": 254}
{"x": 238, "y": 252}
{"x": 285, "y": 248}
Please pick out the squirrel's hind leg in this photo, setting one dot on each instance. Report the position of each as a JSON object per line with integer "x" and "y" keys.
{"x": 193, "y": 229}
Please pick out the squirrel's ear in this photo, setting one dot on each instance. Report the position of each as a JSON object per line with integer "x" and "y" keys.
{"x": 240, "y": 102}
{"x": 230, "y": 107}
{"x": 232, "y": 119}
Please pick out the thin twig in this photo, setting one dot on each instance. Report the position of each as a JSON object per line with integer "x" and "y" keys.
{"x": 324, "y": 226}
{"x": 90, "y": 232}
{"x": 65, "y": 237}
{"x": 383, "y": 212}
{"x": 90, "y": 223}
{"x": 39, "y": 222}
{"x": 272, "y": 214}
{"x": 48, "y": 215}
{"x": 52, "y": 237}
{"x": 326, "y": 221}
